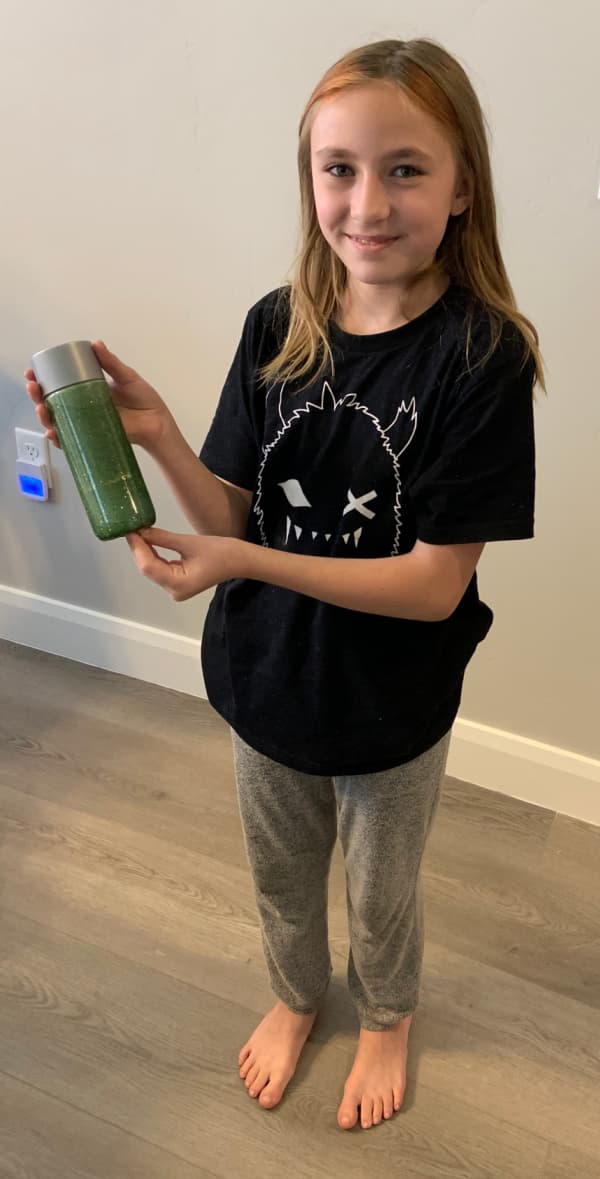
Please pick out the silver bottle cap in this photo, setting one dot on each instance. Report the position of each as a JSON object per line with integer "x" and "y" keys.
{"x": 66, "y": 364}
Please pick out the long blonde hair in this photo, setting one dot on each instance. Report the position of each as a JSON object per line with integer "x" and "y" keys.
{"x": 469, "y": 254}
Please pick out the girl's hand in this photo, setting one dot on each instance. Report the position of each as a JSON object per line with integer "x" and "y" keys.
{"x": 204, "y": 561}
{"x": 141, "y": 409}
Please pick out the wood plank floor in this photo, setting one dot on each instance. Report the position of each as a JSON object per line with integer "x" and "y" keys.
{"x": 131, "y": 968}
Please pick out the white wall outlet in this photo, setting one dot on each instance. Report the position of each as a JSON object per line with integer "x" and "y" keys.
{"x": 32, "y": 447}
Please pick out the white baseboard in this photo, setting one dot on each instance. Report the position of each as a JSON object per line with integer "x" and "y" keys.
{"x": 544, "y": 775}
{"x": 101, "y": 640}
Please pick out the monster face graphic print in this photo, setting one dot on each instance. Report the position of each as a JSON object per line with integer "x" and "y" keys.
{"x": 330, "y": 478}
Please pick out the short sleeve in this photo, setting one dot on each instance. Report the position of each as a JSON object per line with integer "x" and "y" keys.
{"x": 232, "y": 446}
{"x": 480, "y": 483}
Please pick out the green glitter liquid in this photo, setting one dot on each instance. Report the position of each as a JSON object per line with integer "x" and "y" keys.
{"x": 104, "y": 467}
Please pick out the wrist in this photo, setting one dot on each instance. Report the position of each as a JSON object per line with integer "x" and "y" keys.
{"x": 167, "y": 441}
{"x": 241, "y": 557}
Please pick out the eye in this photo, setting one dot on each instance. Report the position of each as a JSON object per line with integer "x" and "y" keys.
{"x": 407, "y": 168}
{"x": 334, "y": 169}
{"x": 294, "y": 493}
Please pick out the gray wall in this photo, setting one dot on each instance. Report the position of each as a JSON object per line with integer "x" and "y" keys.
{"x": 149, "y": 197}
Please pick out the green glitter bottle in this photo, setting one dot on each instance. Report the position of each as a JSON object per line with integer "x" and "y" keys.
{"x": 91, "y": 433}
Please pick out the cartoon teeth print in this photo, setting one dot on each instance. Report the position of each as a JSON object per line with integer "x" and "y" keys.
{"x": 329, "y": 482}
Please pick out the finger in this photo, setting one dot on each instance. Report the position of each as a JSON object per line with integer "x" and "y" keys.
{"x": 138, "y": 546}
{"x": 145, "y": 551}
{"x": 166, "y": 574}
{"x": 43, "y": 416}
{"x": 116, "y": 368}
{"x": 34, "y": 391}
{"x": 143, "y": 554}
{"x": 51, "y": 435}
{"x": 177, "y": 542}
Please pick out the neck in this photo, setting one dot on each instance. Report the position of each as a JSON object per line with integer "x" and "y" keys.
{"x": 370, "y": 308}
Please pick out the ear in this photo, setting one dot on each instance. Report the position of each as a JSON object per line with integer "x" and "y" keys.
{"x": 462, "y": 197}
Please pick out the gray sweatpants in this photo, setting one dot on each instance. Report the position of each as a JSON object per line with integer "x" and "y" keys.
{"x": 290, "y": 822}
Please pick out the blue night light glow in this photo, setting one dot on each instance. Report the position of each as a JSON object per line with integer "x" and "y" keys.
{"x": 31, "y": 486}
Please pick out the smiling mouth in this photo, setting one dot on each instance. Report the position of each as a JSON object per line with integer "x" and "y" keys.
{"x": 372, "y": 239}
{"x": 370, "y": 243}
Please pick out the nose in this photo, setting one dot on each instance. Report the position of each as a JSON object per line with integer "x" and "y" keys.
{"x": 370, "y": 202}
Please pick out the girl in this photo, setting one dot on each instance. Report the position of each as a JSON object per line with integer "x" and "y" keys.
{"x": 374, "y": 431}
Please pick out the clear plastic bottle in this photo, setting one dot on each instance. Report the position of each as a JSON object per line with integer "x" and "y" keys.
{"x": 91, "y": 434}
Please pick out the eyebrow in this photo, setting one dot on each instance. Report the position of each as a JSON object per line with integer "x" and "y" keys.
{"x": 400, "y": 153}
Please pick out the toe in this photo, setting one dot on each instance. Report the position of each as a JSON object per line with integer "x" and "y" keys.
{"x": 366, "y": 1112}
{"x": 259, "y": 1082}
{"x": 244, "y": 1054}
{"x": 377, "y": 1110}
{"x": 398, "y": 1097}
{"x": 388, "y": 1105}
{"x": 247, "y": 1065}
{"x": 271, "y": 1094}
{"x": 348, "y": 1113}
{"x": 251, "y": 1077}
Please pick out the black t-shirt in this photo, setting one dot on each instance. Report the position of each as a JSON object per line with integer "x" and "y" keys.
{"x": 400, "y": 442}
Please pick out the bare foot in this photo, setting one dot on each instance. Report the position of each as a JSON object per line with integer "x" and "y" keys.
{"x": 268, "y": 1061}
{"x": 378, "y": 1077}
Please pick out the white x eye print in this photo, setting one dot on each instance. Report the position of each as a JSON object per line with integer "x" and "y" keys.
{"x": 358, "y": 504}
{"x": 294, "y": 494}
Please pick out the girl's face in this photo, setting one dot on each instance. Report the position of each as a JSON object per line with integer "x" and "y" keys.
{"x": 385, "y": 183}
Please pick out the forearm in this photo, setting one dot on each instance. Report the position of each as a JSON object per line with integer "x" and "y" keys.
{"x": 425, "y": 585}
{"x": 210, "y": 506}
{"x": 396, "y": 587}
